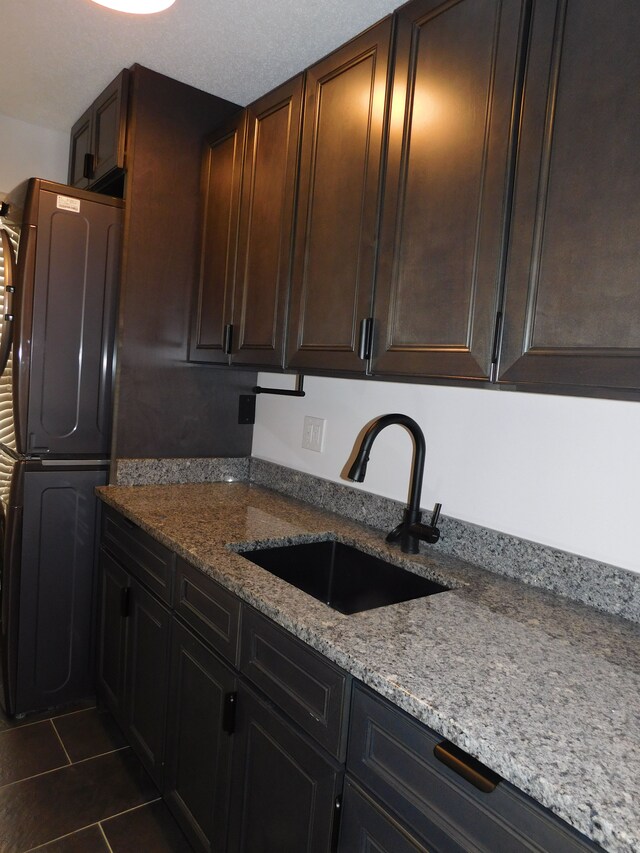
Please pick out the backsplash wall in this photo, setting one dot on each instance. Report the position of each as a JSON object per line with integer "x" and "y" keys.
{"x": 561, "y": 471}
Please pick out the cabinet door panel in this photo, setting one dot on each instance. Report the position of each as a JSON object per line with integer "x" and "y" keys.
{"x": 572, "y": 296}
{"x": 109, "y": 126}
{"x": 221, "y": 190}
{"x": 337, "y": 221}
{"x": 266, "y": 226}
{"x": 446, "y": 188}
{"x": 81, "y": 134}
{"x": 146, "y": 679}
{"x": 284, "y": 790}
{"x": 112, "y": 640}
{"x": 366, "y": 828}
{"x": 198, "y": 761}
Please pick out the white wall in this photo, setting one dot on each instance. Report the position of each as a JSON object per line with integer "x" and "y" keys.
{"x": 557, "y": 470}
{"x": 28, "y": 151}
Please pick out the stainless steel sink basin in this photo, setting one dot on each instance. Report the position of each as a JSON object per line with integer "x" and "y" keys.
{"x": 346, "y": 579}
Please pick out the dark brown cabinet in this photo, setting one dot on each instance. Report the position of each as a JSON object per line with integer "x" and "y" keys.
{"x": 165, "y": 406}
{"x": 133, "y": 659}
{"x": 98, "y": 137}
{"x": 572, "y": 296}
{"x": 446, "y": 187}
{"x": 339, "y": 204}
{"x": 249, "y": 185}
{"x": 284, "y": 789}
{"x": 407, "y": 790}
{"x": 199, "y": 740}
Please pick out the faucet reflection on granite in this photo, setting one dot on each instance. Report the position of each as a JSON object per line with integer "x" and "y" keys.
{"x": 410, "y": 530}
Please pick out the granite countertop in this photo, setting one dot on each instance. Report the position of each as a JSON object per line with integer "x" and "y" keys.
{"x": 543, "y": 691}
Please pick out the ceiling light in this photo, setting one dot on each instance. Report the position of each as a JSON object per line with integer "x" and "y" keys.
{"x": 136, "y": 7}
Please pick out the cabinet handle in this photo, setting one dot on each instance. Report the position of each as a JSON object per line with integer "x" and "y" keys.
{"x": 335, "y": 829}
{"x": 229, "y": 713}
{"x": 365, "y": 339}
{"x": 87, "y": 171}
{"x": 227, "y": 339}
{"x": 464, "y": 765}
{"x": 124, "y": 601}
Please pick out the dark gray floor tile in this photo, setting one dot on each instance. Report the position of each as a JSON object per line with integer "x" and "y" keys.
{"x": 89, "y": 733}
{"x": 42, "y": 808}
{"x": 150, "y": 828}
{"x": 88, "y": 840}
{"x": 29, "y": 750}
{"x": 27, "y": 719}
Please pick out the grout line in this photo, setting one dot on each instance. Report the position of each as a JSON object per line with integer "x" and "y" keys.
{"x": 62, "y": 767}
{"x": 106, "y": 840}
{"x": 132, "y": 809}
{"x": 61, "y": 742}
{"x": 62, "y": 837}
{"x": 26, "y": 725}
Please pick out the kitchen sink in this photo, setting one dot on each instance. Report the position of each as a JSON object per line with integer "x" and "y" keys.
{"x": 345, "y": 578}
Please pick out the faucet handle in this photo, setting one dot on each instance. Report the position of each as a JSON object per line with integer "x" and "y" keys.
{"x": 436, "y": 515}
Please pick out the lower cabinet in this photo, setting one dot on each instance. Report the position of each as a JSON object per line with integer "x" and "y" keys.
{"x": 366, "y": 827}
{"x": 259, "y": 743}
{"x": 202, "y": 693}
{"x": 285, "y": 790}
{"x": 133, "y": 659}
{"x": 427, "y": 792}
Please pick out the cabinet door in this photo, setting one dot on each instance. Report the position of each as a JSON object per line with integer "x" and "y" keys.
{"x": 109, "y": 129}
{"x": 146, "y": 678}
{"x": 338, "y": 209}
{"x": 446, "y": 187}
{"x": 365, "y": 827}
{"x": 572, "y": 295}
{"x": 112, "y": 636}
{"x": 198, "y": 749}
{"x": 284, "y": 790}
{"x": 221, "y": 179}
{"x": 79, "y": 168}
{"x": 266, "y": 226}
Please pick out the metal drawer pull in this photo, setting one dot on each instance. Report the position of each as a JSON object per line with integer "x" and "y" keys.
{"x": 464, "y": 765}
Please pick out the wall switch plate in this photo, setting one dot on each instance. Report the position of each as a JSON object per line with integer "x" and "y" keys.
{"x": 247, "y": 409}
{"x": 313, "y": 433}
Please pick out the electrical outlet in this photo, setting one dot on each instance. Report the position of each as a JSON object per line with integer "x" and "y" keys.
{"x": 313, "y": 433}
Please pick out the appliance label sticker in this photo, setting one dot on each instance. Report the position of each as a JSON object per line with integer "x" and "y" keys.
{"x": 64, "y": 202}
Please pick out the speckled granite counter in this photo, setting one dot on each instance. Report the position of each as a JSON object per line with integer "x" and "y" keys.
{"x": 543, "y": 691}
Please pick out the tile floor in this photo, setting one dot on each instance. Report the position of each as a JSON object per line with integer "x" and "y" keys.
{"x": 70, "y": 784}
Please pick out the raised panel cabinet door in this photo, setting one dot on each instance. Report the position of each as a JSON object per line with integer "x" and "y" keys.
{"x": 447, "y": 187}
{"x": 112, "y": 635}
{"x": 266, "y": 226}
{"x": 109, "y": 128}
{"x": 339, "y": 203}
{"x": 80, "y": 150}
{"x": 284, "y": 790}
{"x": 572, "y": 296}
{"x": 147, "y": 673}
{"x": 221, "y": 186}
{"x": 366, "y": 828}
{"x": 199, "y": 741}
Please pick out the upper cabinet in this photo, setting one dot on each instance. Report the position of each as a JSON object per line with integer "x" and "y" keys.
{"x": 572, "y": 296}
{"x": 446, "y": 187}
{"x": 338, "y": 205}
{"x": 249, "y": 184}
{"x": 98, "y": 138}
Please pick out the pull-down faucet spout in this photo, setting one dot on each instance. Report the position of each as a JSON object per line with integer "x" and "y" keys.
{"x": 410, "y": 530}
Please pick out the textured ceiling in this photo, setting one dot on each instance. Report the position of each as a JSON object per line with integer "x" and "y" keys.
{"x": 57, "y": 55}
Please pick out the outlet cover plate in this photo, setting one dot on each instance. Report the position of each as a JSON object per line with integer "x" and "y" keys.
{"x": 313, "y": 432}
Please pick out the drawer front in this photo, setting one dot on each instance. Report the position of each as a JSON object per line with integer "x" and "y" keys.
{"x": 309, "y": 689}
{"x": 393, "y": 756}
{"x": 146, "y": 559}
{"x": 209, "y": 609}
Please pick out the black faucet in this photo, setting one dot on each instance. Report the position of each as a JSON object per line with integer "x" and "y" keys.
{"x": 410, "y": 530}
